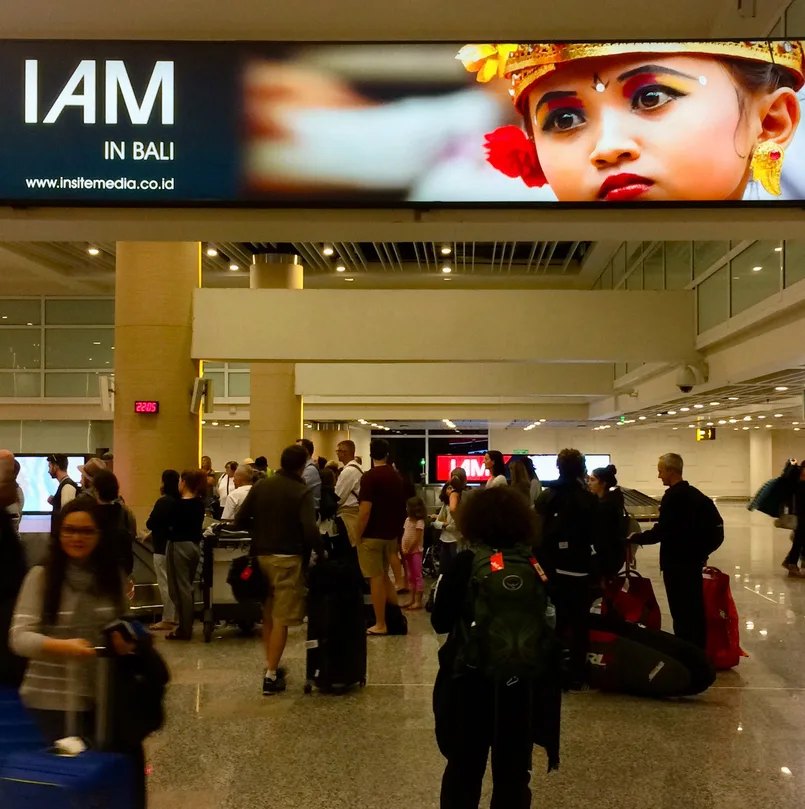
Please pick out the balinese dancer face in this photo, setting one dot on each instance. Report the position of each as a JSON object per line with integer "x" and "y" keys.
{"x": 622, "y": 129}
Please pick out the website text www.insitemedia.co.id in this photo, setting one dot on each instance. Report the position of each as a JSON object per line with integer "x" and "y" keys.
{"x": 96, "y": 184}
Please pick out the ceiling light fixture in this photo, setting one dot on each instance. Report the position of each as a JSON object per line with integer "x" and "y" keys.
{"x": 327, "y": 250}
{"x": 684, "y": 409}
{"x": 350, "y": 280}
{"x": 698, "y": 406}
{"x": 732, "y": 398}
{"x": 362, "y": 421}
{"x": 215, "y": 424}
{"x": 710, "y": 424}
{"x": 756, "y": 269}
{"x": 641, "y": 418}
{"x": 732, "y": 421}
{"x": 768, "y": 426}
{"x": 446, "y": 249}
{"x": 447, "y": 270}
{"x": 234, "y": 267}
{"x": 212, "y": 252}
{"x": 672, "y": 412}
{"x": 778, "y": 415}
{"x": 761, "y": 417}
{"x": 778, "y": 249}
{"x": 781, "y": 388}
{"x": 722, "y": 421}
{"x": 93, "y": 251}
{"x": 340, "y": 268}
{"x": 747, "y": 418}
{"x": 714, "y": 404}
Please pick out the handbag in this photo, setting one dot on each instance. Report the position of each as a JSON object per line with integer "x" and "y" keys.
{"x": 631, "y": 596}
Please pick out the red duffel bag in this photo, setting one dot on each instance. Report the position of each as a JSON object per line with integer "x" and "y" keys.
{"x": 631, "y": 596}
{"x": 723, "y": 636}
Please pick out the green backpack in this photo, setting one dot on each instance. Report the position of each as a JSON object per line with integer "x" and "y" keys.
{"x": 506, "y": 632}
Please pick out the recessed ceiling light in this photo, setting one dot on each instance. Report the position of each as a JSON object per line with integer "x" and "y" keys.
{"x": 722, "y": 421}
{"x": 745, "y": 428}
{"x": 732, "y": 398}
{"x": 672, "y": 412}
{"x": 203, "y": 422}
{"x": 234, "y": 267}
{"x": 691, "y": 425}
{"x": 778, "y": 249}
{"x": 768, "y": 426}
{"x": 447, "y": 270}
{"x": 732, "y": 421}
{"x": 714, "y": 404}
{"x": 684, "y": 409}
{"x": 658, "y": 415}
{"x": 674, "y": 428}
{"x": 641, "y": 418}
{"x": 781, "y": 388}
{"x": 349, "y": 279}
{"x": 796, "y": 429}
{"x": 446, "y": 249}
{"x": 447, "y": 279}
{"x": 795, "y": 422}
{"x": 699, "y": 406}
{"x": 710, "y": 423}
{"x": 340, "y": 268}
{"x": 778, "y": 415}
{"x": 761, "y": 417}
{"x": 212, "y": 252}
{"x": 756, "y": 269}
{"x": 327, "y": 250}
{"x": 542, "y": 421}
{"x": 757, "y": 426}
{"x": 215, "y": 424}
{"x": 93, "y": 251}
{"x": 237, "y": 426}
{"x": 747, "y": 418}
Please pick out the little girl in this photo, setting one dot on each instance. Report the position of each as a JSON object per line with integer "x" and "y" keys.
{"x": 413, "y": 532}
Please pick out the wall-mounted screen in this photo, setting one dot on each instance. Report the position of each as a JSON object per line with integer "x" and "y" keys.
{"x": 37, "y": 484}
{"x": 284, "y": 124}
{"x": 473, "y": 465}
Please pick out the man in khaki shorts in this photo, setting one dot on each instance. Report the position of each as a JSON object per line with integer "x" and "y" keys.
{"x": 279, "y": 514}
{"x": 381, "y": 516}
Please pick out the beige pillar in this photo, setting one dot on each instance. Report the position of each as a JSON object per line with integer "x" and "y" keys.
{"x": 153, "y": 330}
{"x": 275, "y": 409}
{"x": 326, "y": 441}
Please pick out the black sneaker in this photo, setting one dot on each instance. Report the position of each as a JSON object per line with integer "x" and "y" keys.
{"x": 271, "y": 687}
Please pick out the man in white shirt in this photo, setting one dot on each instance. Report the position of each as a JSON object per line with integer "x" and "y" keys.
{"x": 226, "y": 485}
{"x": 348, "y": 487}
{"x": 244, "y": 476}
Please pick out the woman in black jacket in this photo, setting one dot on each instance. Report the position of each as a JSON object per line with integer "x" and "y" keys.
{"x": 475, "y": 714}
{"x": 159, "y": 524}
{"x": 611, "y": 523}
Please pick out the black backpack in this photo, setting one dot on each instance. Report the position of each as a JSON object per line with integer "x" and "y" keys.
{"x": 568, "y": 514}
{"x": 505, "y": 633}
{"x": 328, "y": 505}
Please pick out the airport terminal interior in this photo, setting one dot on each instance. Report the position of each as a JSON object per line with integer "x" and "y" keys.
{"x": 382, "y": 299}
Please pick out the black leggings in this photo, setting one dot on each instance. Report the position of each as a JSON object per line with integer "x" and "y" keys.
{"x": 798, "y": 544}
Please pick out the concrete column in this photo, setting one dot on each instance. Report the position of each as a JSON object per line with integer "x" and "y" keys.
{"x": 760, "y": 459}
{"x": 275, "y": 409}
{"x": 153, "y": 329}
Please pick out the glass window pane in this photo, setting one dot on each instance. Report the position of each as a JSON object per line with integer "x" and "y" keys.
{"x": 606, "y": 277}
{"x": 218, "y": 389}
{"x": 635, "y": 280}
{"x": 19, "y": 348}
{"x": 20, "y": 313}
{"x": 619, "y": 266}
{"x": 240, "y": 384}
{"x": 213, "y": 365}
{"x": 72, "y": 312}
{"x": 73, "y": 386}
{"x": 79, "y": 348}
{"x": 677, "y": 265}
{"x": 653, "y": 269}
{"x": 713, "y": 300}
{"x": 633, "y": 250}
{"x": 705, "y": 254}
{"x": 755, "y": 275}
{"x": 20, "y": 385}
{"x": 794, "y": 262}
{"x": 235, "y": 366}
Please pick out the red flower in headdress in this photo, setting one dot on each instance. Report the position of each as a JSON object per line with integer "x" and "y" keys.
{"x": 511, "y": 151}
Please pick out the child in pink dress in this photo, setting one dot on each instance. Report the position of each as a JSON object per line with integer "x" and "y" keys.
{"x": 412, "y": 539}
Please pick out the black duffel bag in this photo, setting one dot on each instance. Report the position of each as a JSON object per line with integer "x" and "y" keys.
{"x": 247, "y": 580}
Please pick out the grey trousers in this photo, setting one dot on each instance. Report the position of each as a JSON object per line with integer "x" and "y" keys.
{"x": 183, "y": 558}
{"x": 161, "y": 567}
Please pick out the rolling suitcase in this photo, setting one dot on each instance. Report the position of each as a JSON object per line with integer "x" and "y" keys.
{"x": 336, "y": 645}
{"x": 631, "y": 659}
{"x": 18, "y": 730}
{"x": 96, "y": 779}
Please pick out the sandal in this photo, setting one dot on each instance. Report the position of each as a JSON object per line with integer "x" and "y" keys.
{"x": 372, "y": 632}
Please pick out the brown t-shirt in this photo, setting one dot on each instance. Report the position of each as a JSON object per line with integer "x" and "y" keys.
{"x": 383, "y": 488}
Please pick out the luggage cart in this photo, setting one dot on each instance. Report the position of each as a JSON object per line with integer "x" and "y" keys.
{"x": 221, "y": 548}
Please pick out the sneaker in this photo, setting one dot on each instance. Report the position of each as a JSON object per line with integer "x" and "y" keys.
{"x": 271, "y": 687}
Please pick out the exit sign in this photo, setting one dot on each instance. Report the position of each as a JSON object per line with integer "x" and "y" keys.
{"x": 706, "y": 434}
{"x": 149, "y": 407}
{"x": 520, "y": 452}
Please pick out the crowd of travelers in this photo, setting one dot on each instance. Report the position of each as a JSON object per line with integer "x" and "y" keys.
{"x": 563, "y": 538}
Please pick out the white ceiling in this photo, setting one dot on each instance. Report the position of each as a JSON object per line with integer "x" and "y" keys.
{"x": 416, "y": 20}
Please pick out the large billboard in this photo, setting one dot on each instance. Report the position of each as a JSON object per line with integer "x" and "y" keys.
{"x": 284, "y": 124}
{"x": 473, "y": 465}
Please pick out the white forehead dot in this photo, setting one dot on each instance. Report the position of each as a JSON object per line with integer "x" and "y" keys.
{"x": 600, "y": 87}
{"x": 702, "y": 80}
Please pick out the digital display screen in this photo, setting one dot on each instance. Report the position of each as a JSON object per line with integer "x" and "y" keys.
{"x": 473, "y": 465}
{"x": 146, "y": 407}
{"x": 291, "y": 124}
{"x": 37, "y": 484}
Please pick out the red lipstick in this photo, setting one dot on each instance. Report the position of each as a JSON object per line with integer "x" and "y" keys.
{"x": 623, "y": 187}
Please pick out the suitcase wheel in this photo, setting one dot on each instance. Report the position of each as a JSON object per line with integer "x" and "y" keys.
{"x": 308, "y": 688}
{"x": 209, "y": 626}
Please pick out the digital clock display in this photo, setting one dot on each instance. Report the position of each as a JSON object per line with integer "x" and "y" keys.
{"x": 146, "y": 407}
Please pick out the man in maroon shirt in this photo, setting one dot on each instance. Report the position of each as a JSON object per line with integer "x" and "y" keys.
{"x": 380, "y": 522}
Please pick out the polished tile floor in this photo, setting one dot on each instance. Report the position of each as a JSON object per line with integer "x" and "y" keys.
{"x": 741, "y": 744}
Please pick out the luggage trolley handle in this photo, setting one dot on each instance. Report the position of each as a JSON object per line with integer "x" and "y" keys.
{"x": 103, "y": 662}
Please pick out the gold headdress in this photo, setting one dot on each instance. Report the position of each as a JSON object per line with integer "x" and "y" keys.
{"x": 526, "y": 64}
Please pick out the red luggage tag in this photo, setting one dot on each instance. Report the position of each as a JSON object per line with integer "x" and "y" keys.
{"x": 247, "y": 574}
{"x": 496, "y": 562}
{"x": 538, "y": 568}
